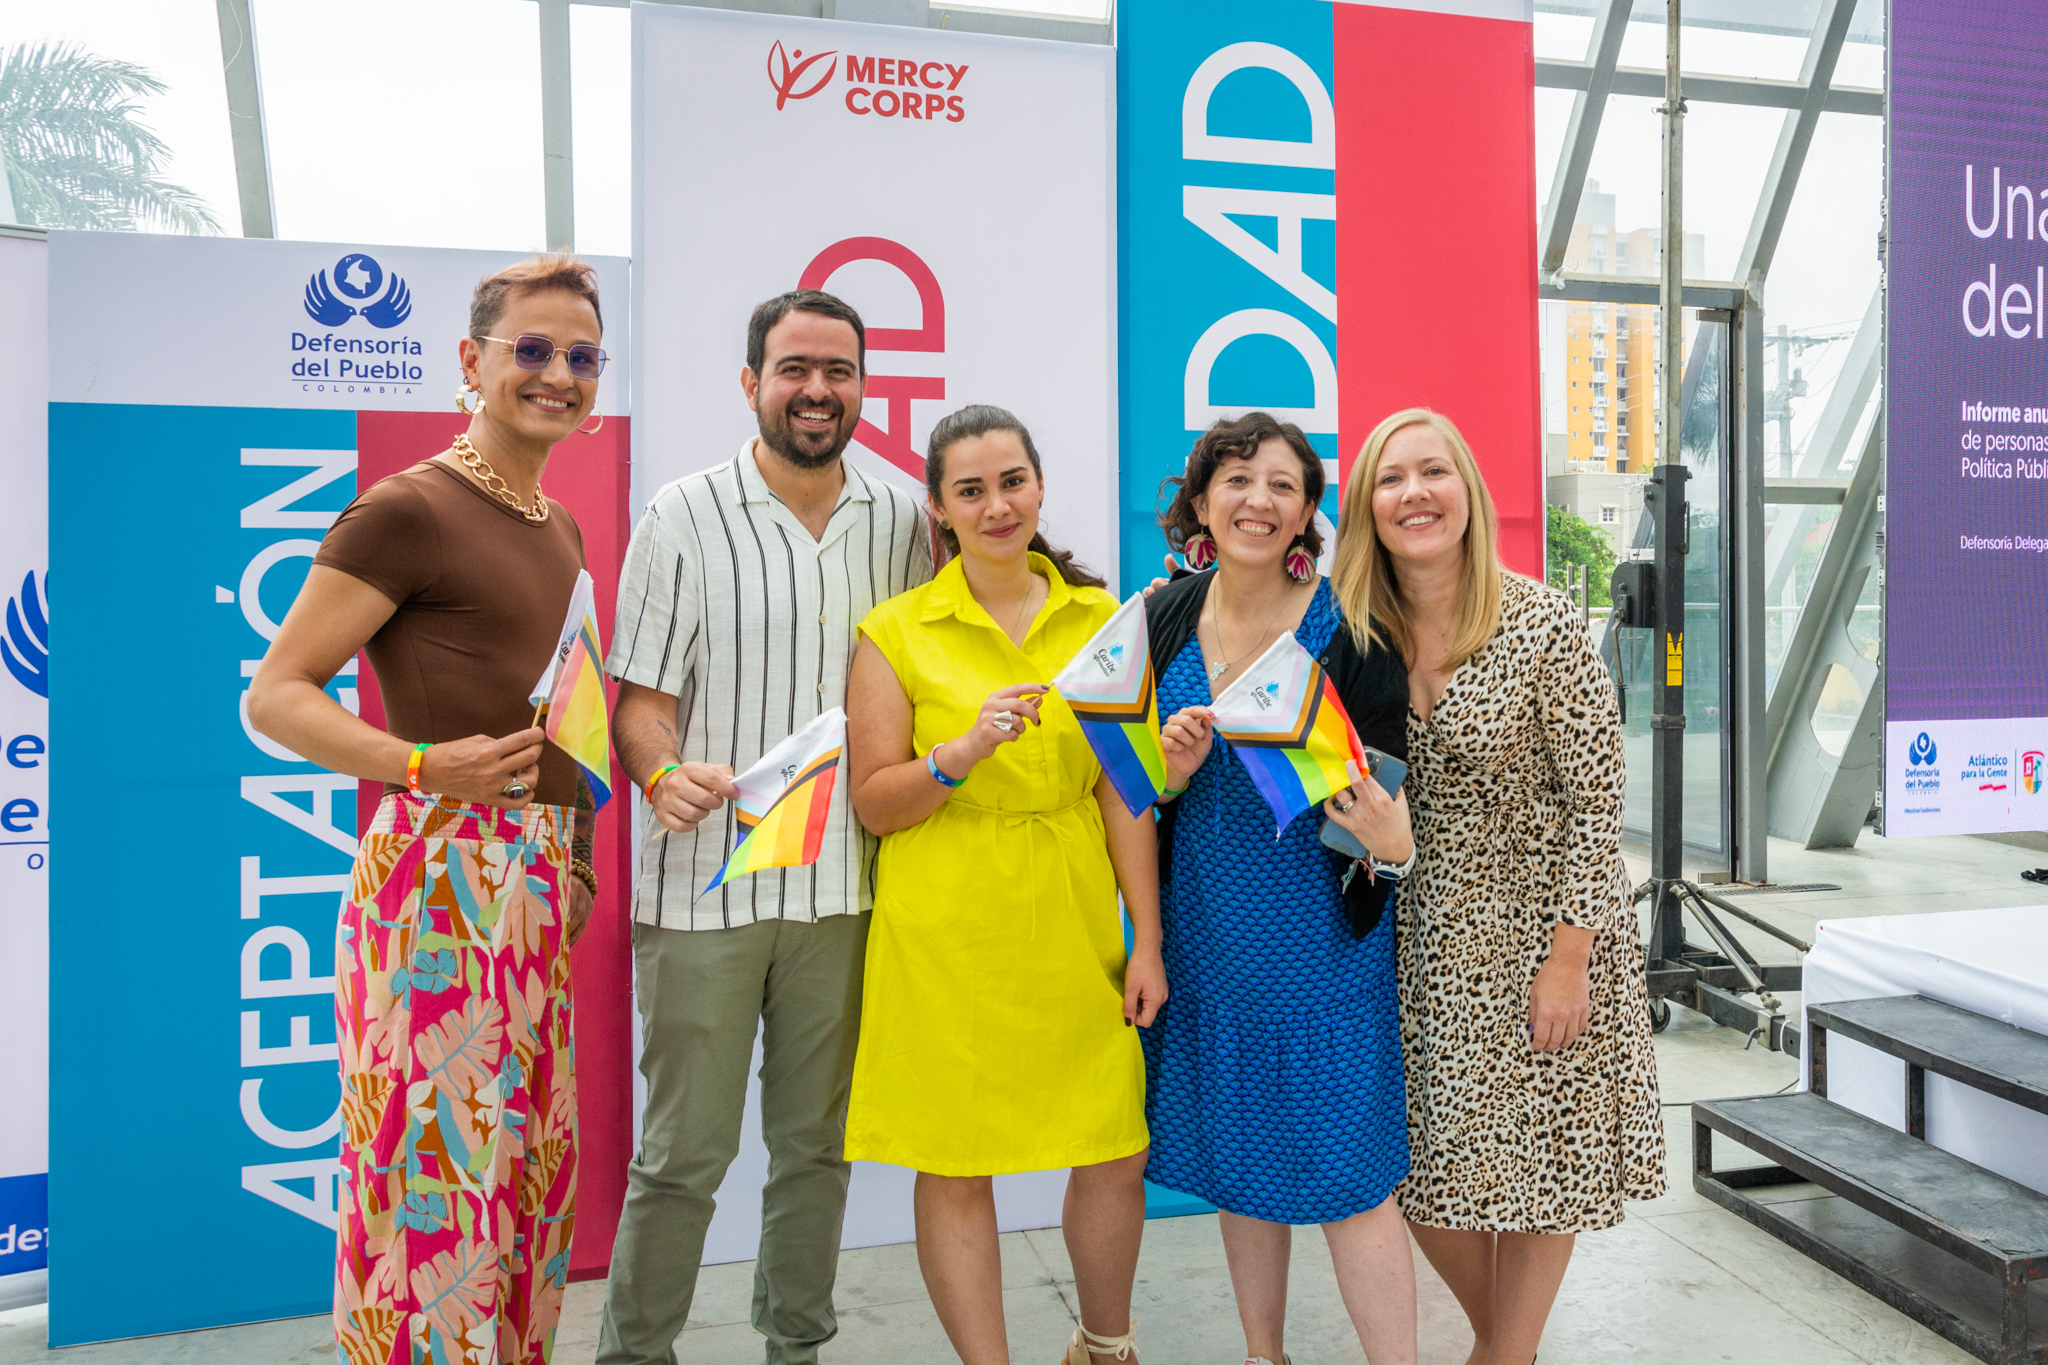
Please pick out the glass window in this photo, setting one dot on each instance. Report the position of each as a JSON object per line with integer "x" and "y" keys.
{"x": 429, "y": 139}
{"x": 1563, "y": 37}
{"x": 1705, "y": 448}
{"x": 1553, "y": 118}
{"x": 1712, "y": 49}
{"x": 601, "y": 72}
{"x": 1095, "y": 10}
{"x": 175, "y": 43}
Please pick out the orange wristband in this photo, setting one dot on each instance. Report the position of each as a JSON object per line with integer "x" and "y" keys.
{"x": 412, "y": 766}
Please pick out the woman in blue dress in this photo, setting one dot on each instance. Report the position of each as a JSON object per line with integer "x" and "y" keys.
{"x": 1273, "y": 1076}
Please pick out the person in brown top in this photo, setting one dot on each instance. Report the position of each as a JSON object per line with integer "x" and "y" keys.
{"x": 451, "y": 967}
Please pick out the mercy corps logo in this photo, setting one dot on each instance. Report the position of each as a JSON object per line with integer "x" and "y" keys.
{"x": 329, "y": 362}
{"x": 909, "y": 89}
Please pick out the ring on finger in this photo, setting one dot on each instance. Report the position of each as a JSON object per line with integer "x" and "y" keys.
{"x": 516, "y": 789}
{"x": 1003, "y": 721}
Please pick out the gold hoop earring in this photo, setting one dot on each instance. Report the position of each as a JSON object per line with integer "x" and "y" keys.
{"x": 594, "y": 430}
{"x": 463, "y": 393}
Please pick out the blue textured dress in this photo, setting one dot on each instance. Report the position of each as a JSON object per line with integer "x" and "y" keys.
{"x": 1273, "y": 1076}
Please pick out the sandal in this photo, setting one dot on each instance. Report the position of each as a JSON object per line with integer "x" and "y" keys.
{"x": 2037, "y": 874}
{"x": 1085, "y": 1341}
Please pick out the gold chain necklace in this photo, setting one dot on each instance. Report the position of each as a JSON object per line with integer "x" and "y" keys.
{"x": 489, "y": 477}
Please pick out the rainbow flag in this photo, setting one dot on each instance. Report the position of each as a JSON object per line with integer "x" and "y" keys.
{"x": 1109, "y": 685}
{"x": 570, "y": 694}
{"x": 1284, "y": 720}
{"x": 784, "y": 800}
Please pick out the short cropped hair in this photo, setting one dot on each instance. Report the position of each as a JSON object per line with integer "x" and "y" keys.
{"x": 801, "y": 301}
{"x": 542, "y": 273}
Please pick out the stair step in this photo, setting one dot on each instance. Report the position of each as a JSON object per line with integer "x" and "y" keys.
{"x": 1993, "y": 1223}
{"x": 1995, "y": 1057}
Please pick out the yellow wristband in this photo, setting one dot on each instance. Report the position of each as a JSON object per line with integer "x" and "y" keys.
{"x": 412, "y": 766}
{"x": 663, "y": 771}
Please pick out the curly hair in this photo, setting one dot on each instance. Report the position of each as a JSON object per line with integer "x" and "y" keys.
{"x": 1238, "y": 440}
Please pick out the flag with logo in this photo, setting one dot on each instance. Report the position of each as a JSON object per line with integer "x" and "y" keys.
{"x": 1109, "y": 686}
{"x": 1283, "y": 719}
{"x": 570, "y": 693}
{"x": 784, "y": 800}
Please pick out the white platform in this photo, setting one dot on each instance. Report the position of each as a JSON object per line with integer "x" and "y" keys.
{"x": 1994, "y": 962}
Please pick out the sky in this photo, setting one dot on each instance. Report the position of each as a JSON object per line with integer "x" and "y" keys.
{"x": 377, "y": 138}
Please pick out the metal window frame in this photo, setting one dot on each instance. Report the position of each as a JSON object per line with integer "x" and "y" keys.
{"x": 1755, "y": 728}
{"x": 1594, "y": 80}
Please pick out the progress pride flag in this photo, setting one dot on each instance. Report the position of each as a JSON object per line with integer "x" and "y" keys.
{"x": 1329, "y": 214}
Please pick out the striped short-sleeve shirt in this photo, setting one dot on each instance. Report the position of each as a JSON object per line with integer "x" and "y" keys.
{"x": 728, "y": 604}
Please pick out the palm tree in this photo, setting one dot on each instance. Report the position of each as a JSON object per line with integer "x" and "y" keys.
{"x": 73, "y": 152}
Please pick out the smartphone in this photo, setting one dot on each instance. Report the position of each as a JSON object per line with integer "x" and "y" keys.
{"x": 1384, "y": 769}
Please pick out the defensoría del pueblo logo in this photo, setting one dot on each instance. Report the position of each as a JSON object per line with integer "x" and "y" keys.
{"x": 1922, "y": 751}
{"x": 25, "y": 648}
{"x": 359, "y": 289}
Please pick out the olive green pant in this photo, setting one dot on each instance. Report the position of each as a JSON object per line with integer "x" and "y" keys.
{"x": 700, "y": 994}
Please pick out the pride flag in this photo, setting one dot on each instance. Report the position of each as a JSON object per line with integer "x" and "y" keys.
{"x": 570, "y": 693}
{"x": 784, "y": 800}
{"x": 1109, "y": 685}
{"x": 1284, "y": 720}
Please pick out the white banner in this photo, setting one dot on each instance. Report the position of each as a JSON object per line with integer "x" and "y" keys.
{"x": 958, "y": 190}
{"x": 1966, "y": 776}
{"x": 277, "y": 324}
{"x": 24, "y": 771}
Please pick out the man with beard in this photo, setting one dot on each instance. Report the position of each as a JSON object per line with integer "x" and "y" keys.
{"x": 736, "y": 616}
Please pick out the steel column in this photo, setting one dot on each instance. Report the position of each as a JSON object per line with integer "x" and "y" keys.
{"x": 245, "y": 117}
{"x": 557, "y": 129}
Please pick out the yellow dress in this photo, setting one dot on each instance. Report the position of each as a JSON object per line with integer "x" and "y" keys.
{"x": 992, "y": 1034}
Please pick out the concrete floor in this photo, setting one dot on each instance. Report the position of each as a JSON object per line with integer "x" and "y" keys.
{"x": 1681, "y": 1279}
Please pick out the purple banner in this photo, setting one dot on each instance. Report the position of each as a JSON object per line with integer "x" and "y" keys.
{"x": 1966, "y": 521}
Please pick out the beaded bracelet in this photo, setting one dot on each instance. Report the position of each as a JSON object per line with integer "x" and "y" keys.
{"x": 583, "y": 872}
{"x": 412, "y": 766}
{"x": 663, "y": 771}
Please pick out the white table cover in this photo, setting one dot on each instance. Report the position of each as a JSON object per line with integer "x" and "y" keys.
{"x": 1994, "y": 962}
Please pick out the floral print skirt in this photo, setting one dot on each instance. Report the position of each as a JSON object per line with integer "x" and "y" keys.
{"x": 458, "y": 1086}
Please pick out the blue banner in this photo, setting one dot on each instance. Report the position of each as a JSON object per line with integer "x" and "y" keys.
{"x": 1228, "y": 236}
{"x": 197, "y": 868}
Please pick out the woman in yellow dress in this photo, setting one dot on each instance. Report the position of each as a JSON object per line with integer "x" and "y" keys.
{"x": 996, "y": 1026}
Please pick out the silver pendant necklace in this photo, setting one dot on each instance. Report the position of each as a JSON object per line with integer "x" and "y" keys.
{"x": 1219, "y": 669}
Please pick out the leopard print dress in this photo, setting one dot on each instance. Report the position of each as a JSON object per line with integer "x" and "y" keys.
{"x": 1516, "y": 788}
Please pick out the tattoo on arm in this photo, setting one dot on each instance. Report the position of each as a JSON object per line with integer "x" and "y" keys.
{"x": 583, "y": 837}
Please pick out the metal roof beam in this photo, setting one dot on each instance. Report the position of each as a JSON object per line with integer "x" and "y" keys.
{"x": 1816, "y": 74}
{"x": 1588, "y": 106}
{"x": 1648, "y": 83}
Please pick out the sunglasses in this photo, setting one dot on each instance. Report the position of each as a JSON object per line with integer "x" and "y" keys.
{"x": 534, "y": 353}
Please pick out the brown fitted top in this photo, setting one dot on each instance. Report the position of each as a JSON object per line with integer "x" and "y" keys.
{"x": 481, "y": 593}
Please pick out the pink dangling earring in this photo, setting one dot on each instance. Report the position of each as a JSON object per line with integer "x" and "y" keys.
{"x": 1300, "y": 567}
{"x": 1199, "y": 550}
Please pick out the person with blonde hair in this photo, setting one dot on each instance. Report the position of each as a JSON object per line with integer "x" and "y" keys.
{"x": 1532, "y": 1087}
